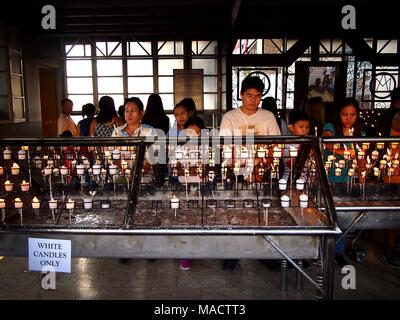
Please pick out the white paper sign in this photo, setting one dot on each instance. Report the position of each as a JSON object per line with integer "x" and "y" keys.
{"x": 49, "y": 252}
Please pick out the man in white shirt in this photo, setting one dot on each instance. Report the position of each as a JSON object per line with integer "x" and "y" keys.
{"x": 249, "y": 119}
{"x": 65, "y": 122}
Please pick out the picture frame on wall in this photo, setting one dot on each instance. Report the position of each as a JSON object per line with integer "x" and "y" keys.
{"x": 326, "y": 80}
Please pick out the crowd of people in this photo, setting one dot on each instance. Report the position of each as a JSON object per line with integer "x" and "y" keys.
{"x": 134, "y": 120}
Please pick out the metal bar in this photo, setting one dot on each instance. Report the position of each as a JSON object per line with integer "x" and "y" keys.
{"x": 172, "y": 231}
{"x": 135, "y": 186}
{"x": 365, "y": 208}
{"x": 360, "y": 139}
{"x": 272, "y": 243}
{"x": 352, "y": 225}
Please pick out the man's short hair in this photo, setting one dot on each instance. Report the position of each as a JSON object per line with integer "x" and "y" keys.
{"x": 252, "y": 83}
{"x": 65, "y": 100}
{"x": 298, "y": 115}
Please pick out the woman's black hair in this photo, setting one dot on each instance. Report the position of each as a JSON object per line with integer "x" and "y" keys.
{"x": 155, "y": 115}
{"x": 189, "y": 104}
{"x": 136, "y": 101}
{"x": 106, "y": 109}
{"x": 89, "y": 110}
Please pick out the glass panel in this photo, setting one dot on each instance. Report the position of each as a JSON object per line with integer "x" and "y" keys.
{"x": 384, "y": 47}
{"x": 18, "y": 106}
{"x": 210, "y": 84}
{"x": 223, "y": 101}
{"x": 167, "y": 47}
{"x": 16, "y": 85}
{"x": 290, "y": 43}
{"x": 166, "y": 66}
{"x": 109, "y": 67}
{"x": 76, "y": 118}
{"x": 76, "y": 50}
{"x": 142, "y": 67}
{"x": 140, "y": 84}
{"x": 166, "y": 84}
{"x": 273, "y": 46}
{"x": 4, "y": 113}
{"x": 290, "y": 83}
{"x": 15, "y": 62}
{"x": 209, "y": 66}
{"x": 79, "y": 68}
{"x": 2, "y": 59}
{"x": 290, "y": 100}
{"x": 80, "y": 100}
{"x": 79, "y": 85}
{"x": 3, "y": 84}
{"x": 210, "y": 101}
{"x": 168, "y": 101}
{"x": 209, "y": 47}
{"x": 114, "y": 49}
{"x": 110, "y": 84}
{"x": 101, "y": 49}
{"x": 136, "y": 50}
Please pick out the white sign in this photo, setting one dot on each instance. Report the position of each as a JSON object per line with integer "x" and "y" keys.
{"x": 49, "y": 252}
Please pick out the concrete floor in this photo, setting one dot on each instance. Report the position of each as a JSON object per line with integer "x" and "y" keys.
{"x": 162, "y": 279}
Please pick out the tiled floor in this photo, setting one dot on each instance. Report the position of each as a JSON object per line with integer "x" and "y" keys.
{"x": 162, "y": 279}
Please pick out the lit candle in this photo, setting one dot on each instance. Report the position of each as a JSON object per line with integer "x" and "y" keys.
{"x": 24, "y": 186}
{"x": 365, "y": 145}
{"x": 374, "y": 155}
{"x": 277, "y": 152}
{"x": 376, "y": 172}
{"x": 300, "y": 184}
{"x": 227, "y": 153}
{"x": 281, "y": 146}
{"x": 21, "y": 154}
{"x": 336, "y": 146}
{"x": 244, "y": 153}
{"x": 338, "y": 172}
{"x": 124, "y": 164}
{"x": 368, "y": 164}
{"x": 174, "y": 202}
{"x": 382, "y": 164}
{"x": 1, "y": 171}
{"x": 47, "y": 171}
{"x": 7, "y": 154}
{"x": 15, "y": 169}
{"x": 64, "y": 170}
{"x": 8, "y": 186}
{"x": 35, "y": 203}
{"x": 2, "y": 203}
{"x": 360, "y": 154}
{"x": 70, "y": 204}
{"x": 282, "y": 184}
{"x": 18, "y": 204}
{"x": 316, "y": 131}
{"x": 341, "y": 164}
{"x": 261, "y": 152}
{"x": 395, "y": 145}
{"x": 328, "y": 164}
{"x": 380, "y": 145}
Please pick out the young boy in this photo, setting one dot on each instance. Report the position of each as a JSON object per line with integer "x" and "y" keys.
{"x": 299, "y": 123}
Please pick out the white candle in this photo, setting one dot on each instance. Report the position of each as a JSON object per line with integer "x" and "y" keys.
{"x": 266, "y": 203}
{"x": 365, "y": 145}
{"x": 346, "y": 154}
{"x": 277, "y": 152}
{"x": 285, "y": 201}
{"x": 47, "y": 171}
{"x": 80, "y": 169}
{"x": 336, "y": 146}
{"x": 70, "y": 204}
{"x": 341, "y": 164}
{"x": 64, "y": 170}
{"x": 15, "y": 169}
{"x": 7, "y": 154}
{"x": 261, "y": 152}
{"x": 113, "y": 169}
{"x": 88, "y": 203}
{"x": 18, "y": 204}
{"x": 53, "y": 204}
{"x": 380, "y": 145}
{"x": 227, "y": 153}
{"x": 338, "y": 172}
{"x": 2, "y": 203}
{"x": 303, "y": 201}
{"x": 300, "y": 184}
{"x": 293, "y": 152}
{"x": 35, "y": 203}
{"x": 24, "y": 186}
{"x": 8, "y": 186}
{"x": 382, "y": 164}
{"x": 96, "y": 169}
{"x": 360, "y": 155}
{"x": 282, "y": 184}
{"x": 174, "y": 202}
{"x": 395, "y": 145}
{"x": 21, "y": 154}
{"x": 116, "y": 154}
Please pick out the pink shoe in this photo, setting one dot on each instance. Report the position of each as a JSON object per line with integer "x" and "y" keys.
{"x": 185, "y": 264}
